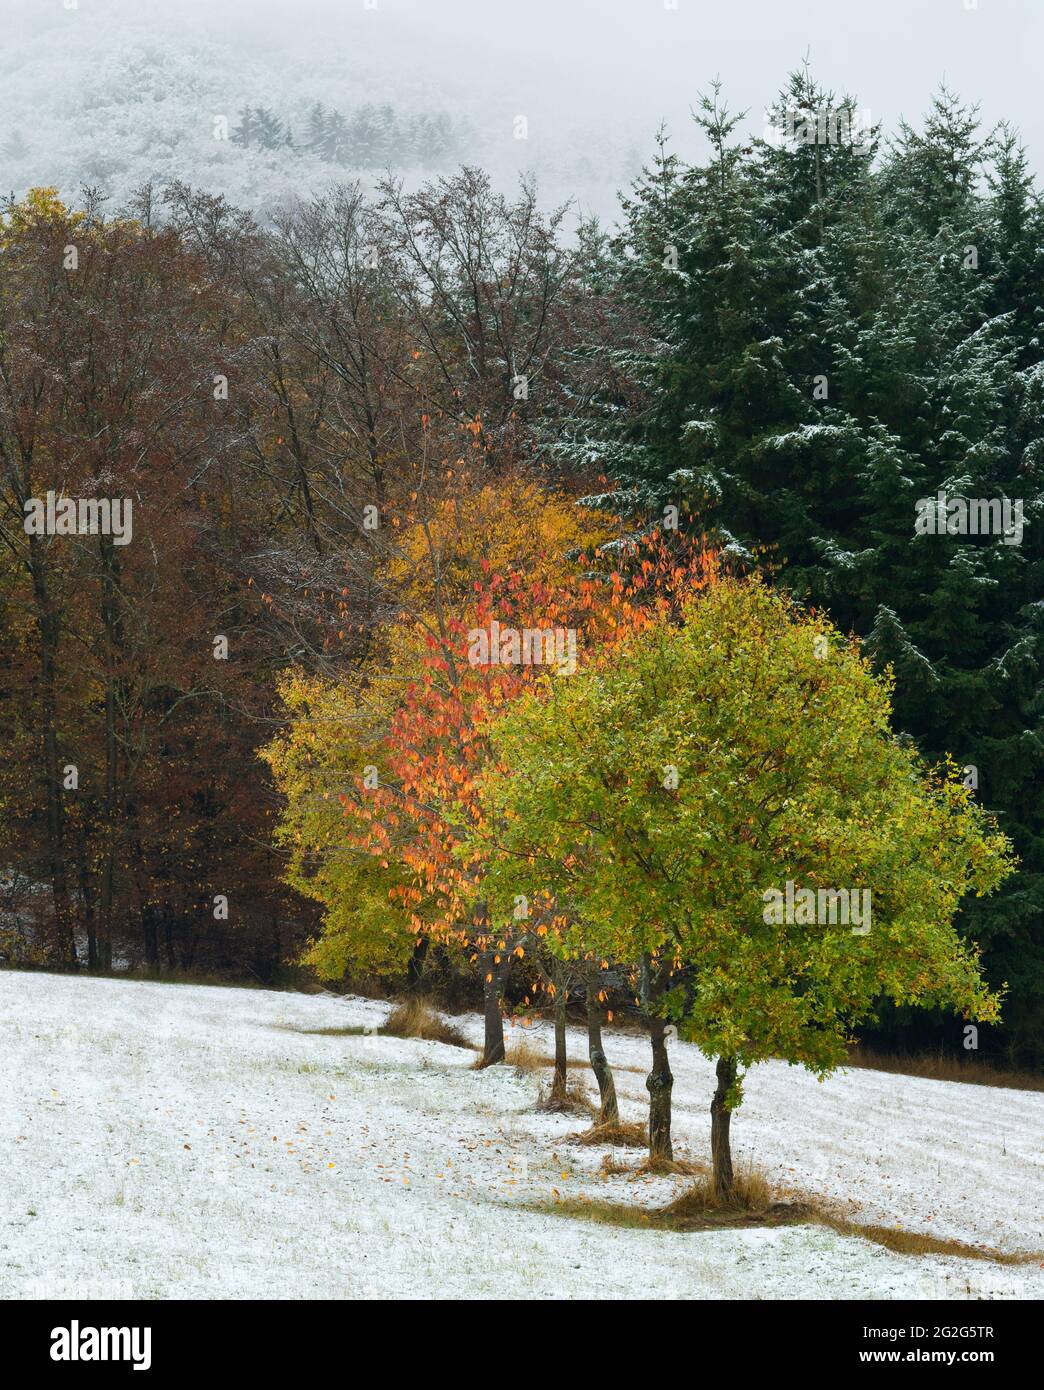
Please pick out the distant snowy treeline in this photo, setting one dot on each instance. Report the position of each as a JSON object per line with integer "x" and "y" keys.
{"x": 370, "y": 137}
{"x": 114, "y": 103}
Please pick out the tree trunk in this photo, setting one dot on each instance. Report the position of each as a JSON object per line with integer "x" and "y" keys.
{"x": 493, "y": 1049}
{"x": 558, "y": 1084}
{"x": 48, "y": 627}
{"x": 609, "y": 1111}
{"x": 106, "y": 902}
{"x": 721, "y": 1118}
{"x": 92, "y": 940}
{"x": 415, "y": 968}
{"x": 275, "y": 950}
{"x": 659, "y": 1083}
{"x": 113, "y": 625}
{"x": 150, "y": 937}
{"x": 86, "y": 901}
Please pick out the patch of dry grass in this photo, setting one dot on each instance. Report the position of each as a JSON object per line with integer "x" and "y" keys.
{"x": 633, "y": 1136}
{"x": 573, "y": 1101}
{"x": 634, "y": 1216}
{"x": 356, "y": 1031}
{"x": 903, "y": 1242}
{"x": 415, "y": 1018}
{"x": 754, "y": 1203}
{"x": 526, "y": 1058}
{"x": 751, "y": 1193}
{"x": 652, "y": 1167}
{"x": 940, "y": 1066}
{"x": 681, "y": 1167}
{"x": 480, "y": 1063}
{"x": 619, "y": 1135}
{"x": 612, "y": 1169}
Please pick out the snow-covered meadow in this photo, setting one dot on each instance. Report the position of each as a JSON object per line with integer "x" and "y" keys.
{"x": 164, "y": 1141}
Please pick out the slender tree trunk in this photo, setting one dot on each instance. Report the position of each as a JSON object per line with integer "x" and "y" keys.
{"x": 63, "y": 916}
{"x": 149, "y": 910}
{"x": 190, "y": 946}
{"x": 88, "y": 920}
{"x": 48, "y": 628}
{"x": 108, "y": 873}
{"x": 151, "y": 939}
{"x": 609, "y": 1111}
{"x": 92, "y": 939}
{"x": 721, "y": 1118}
{"x": 86, "y": 900}
{"x": 275, "y": 961}
{"x": 560, "y": 1081}
{"x": 111, "y": 621}
{"x": 659, "y": 1083}
{"x": 493, "y": 1049}
{"x": 106, "y": 903}
{"x": 415, "y": 968}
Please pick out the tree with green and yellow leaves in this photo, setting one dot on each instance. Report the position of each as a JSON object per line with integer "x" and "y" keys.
{"x": 678, "y": 799}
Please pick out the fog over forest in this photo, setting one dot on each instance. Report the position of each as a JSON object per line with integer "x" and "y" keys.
{"x": 109, "y": 93}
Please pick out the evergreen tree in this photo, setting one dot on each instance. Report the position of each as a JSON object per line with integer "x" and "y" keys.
{"x": 269, "y": 131}
{"x": 430, "y": 140}
{"x": 245, "y": 132}
{"x": 365, "y": 138}
{"x": 316, "y": 128}
{"x": 333, "y": 146}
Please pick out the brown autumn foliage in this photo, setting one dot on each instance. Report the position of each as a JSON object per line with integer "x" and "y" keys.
{"x": 278, "y": 410}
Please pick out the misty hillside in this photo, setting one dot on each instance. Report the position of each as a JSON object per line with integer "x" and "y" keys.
{"x": 110, "y": 95}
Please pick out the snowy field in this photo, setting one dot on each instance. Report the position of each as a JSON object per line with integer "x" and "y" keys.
{"x": 165, "y": 1141}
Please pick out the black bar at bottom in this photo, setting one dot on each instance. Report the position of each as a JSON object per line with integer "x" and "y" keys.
{"x": 186, "y": 1337}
